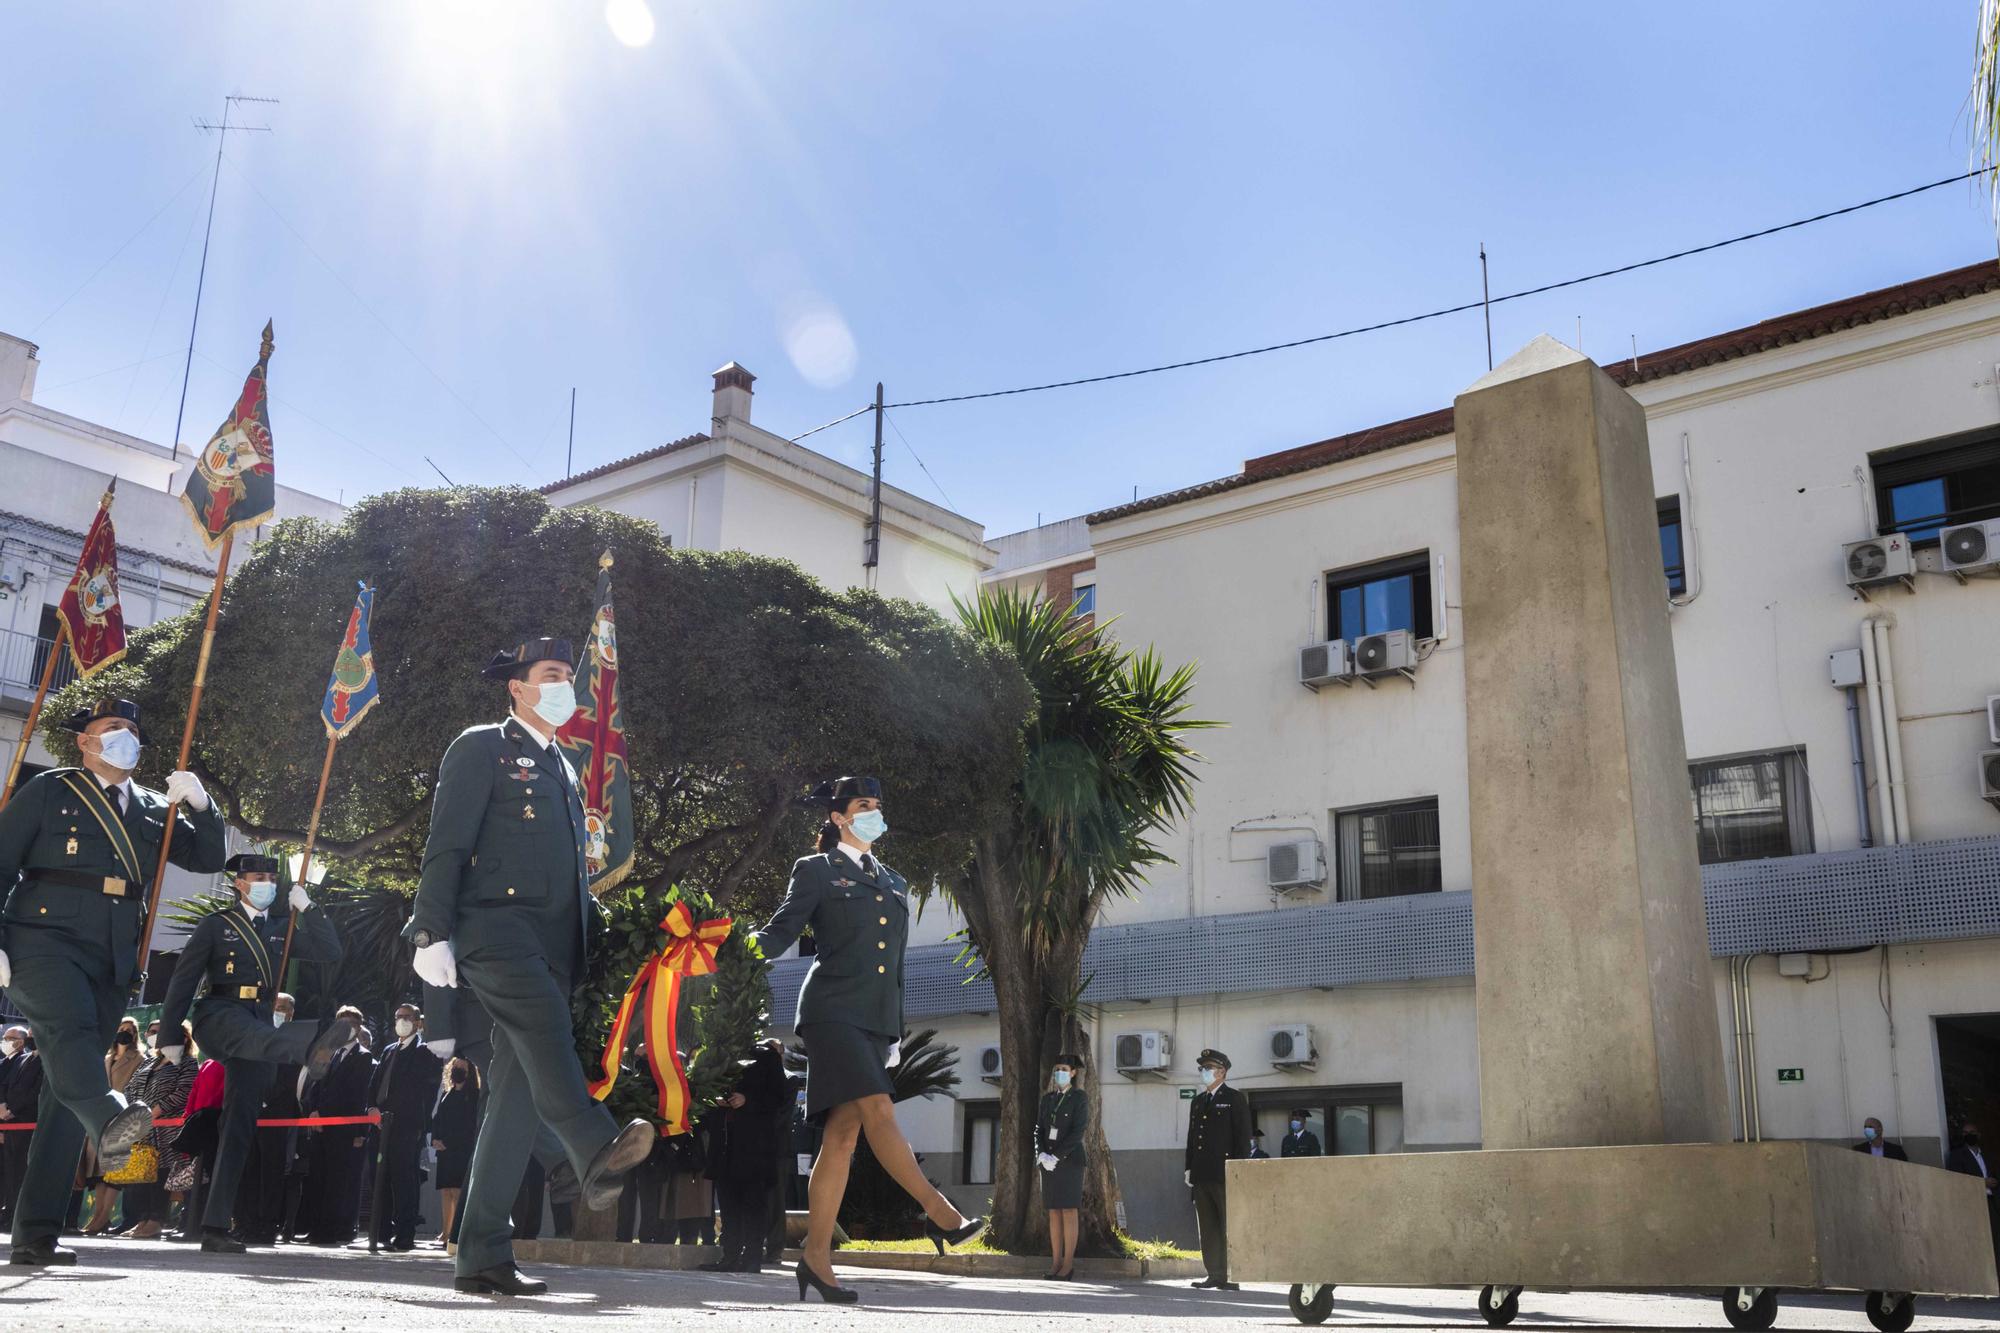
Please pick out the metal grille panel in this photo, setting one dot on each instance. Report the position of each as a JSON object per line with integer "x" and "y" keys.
{"x": 1794, "y": 904}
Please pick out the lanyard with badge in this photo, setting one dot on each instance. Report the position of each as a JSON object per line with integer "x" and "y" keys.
{"x": 1062, "y": 1099}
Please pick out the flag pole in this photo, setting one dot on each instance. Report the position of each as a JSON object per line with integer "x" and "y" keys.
{"x": 35, "y": 709}
{"x": 187, "y": 748}
{"x": 306, "y": 861}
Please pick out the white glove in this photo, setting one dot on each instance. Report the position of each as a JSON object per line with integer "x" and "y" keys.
{"x": 1048, "y": 1161}
{"x": 437, "y": 964}
{"x": 172, "y": 1054}
{"x": 1188, "y": 1176}
{"x": 298, "y": 899}
{"x": 184, "y": 788}
{"x": 442, "y": 1047}
{"x": 6, "y": 970}
{"x": 895, "y": 1054}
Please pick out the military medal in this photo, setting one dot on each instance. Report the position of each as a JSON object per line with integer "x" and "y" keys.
{"x": 70, "y": 846}
{"x": 229, "y": 968}
{"x": 527, "y": 812}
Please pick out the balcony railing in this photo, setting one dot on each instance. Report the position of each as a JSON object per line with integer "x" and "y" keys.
{"x": 22, "y": 658}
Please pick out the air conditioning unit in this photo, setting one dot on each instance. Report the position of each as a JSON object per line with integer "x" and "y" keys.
{"x": 1971, "y": 548}
{"x": 989, "y": 1063}
{"x": 1292, "y": 1047}
{"x": 1144, "y": 1054}
{"x": 1291, "y": 866}
{"x": 14, "y": 575}
{"x": 1324, "y": 663}
{"x": 1989, "y": 777}
{"x": 1993, "y": 717}
{"x": 1879, "y": 560}
{"x": 1387, "y": 654}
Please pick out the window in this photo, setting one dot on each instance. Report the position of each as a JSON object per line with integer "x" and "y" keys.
{"x": 1938, "y": 485}
{"x": 1395, "y": 594}
{"x": 1364, "y": 1120}
{"x": 982, "y": 1134}
{"x": 1083, "y": 603}
{"x": 1752, "y": 806}
{"x": 1388, "y": 850}
{"x": 1670, "y": 546}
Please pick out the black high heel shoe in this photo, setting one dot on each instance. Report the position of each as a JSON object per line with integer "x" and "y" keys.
{"x": 939, "y": 1237}
{"x": 828, "y": 1293}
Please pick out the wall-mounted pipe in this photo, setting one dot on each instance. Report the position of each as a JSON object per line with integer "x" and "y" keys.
{"x": 1871, "y": 673}
{"x": 1899, "y": 798}
{"x": 1750, "y": 1053}
{"x": 1690, "y": 533}
{"x": 1860, "y": 765}
{"x": 1736, "y": 1048}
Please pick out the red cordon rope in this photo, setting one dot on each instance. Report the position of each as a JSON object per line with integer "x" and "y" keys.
{"x": 311, "y": 1121}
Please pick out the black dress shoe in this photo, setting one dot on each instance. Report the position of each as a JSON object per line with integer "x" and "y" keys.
{"x": 727, "y": 1265}
{"x": 320, "y": 1058}
{"x": 1203, "y": 1285}
{"x": 605, "y": 1178}
{"x": 42, "y": 1254}
{"x": 500, "y": 1280}
{"x": 1228, "y": 1286}
{"x": 216, "y": 1243}
{"x": 114, "y": 1144}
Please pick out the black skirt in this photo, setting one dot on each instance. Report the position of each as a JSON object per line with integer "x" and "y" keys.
{"x": 1063, "y": 1187}
{"x": 843, "y": 1064}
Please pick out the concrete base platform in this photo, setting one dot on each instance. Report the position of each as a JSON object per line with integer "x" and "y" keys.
{"x": 1804, "y": 1216}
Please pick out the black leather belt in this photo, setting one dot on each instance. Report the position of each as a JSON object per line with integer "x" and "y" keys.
{"x": 109, "y": 885}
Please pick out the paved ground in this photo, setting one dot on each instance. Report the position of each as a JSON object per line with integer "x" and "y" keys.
{"x": 157, "y": 1286}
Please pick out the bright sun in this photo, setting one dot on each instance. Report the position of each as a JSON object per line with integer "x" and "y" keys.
{"x": 630, "y": 21}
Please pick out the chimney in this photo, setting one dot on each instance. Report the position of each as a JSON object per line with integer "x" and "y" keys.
{"x": 732, "y": 395}
{"x": 17, "y": 369}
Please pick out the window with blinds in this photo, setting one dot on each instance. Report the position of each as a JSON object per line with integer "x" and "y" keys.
{"x": 1752, "y": 806}
{"x": 1387, "y": 851}
{"x": 1925, "y": 487}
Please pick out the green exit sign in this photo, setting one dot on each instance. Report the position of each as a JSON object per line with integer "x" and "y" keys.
{"x": 1187, "y": 1094}
{"x": 1791, "y": 1076}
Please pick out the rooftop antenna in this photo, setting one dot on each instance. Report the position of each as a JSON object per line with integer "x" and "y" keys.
{"x": 1579, "y": 333}
{"x": 221, "y": 131}
{"x": 570, "y": 458}
{"x": 1635, "y": 351}
{"x": 1486, "y": 303}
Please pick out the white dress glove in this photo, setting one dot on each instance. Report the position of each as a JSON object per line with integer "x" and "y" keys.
{"x": 1048, "y": 1161}
{"x": 1188, "y": 1176}
{"x": 299, "y": 899}
{"x": 172, "y": 1054}
{"x": 895, "y": 1055}
{"x": 6, "y": 970}
{"x": 184, "y": 788}
{"x": 442, "y": 1047}
{"x": 437, "y": 964}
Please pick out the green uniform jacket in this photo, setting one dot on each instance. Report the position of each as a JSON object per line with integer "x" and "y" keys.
{"x": 48, "y": 826}
{"x": 230, "y": 950}
{"x": 504, "y": 872}
{"x": 860, "y": 927}
{"x": 1067, "y": 1113}
{"x": 1218, "y": 1132}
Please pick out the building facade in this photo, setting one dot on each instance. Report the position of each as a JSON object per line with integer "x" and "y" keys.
{"x": 739, "y": 487}
{"x": 1843, "y": 744}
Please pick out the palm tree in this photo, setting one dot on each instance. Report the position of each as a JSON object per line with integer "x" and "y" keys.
{"x": 1107, "y": 767}
{"x": 1986, "y": 98}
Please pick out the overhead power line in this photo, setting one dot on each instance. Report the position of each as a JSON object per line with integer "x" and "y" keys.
{"x": 1461, "y": 308}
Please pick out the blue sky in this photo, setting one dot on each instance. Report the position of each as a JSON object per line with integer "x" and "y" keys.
{"x": 467, "y": 208}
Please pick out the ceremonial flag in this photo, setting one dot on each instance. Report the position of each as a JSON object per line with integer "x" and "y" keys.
{"x": 234, "y": 484}
{"x": 689, "y": 951}
{"x": 91, "y": 616}
{"x": 352, "y": 690}
{"x": 595, "y": 739}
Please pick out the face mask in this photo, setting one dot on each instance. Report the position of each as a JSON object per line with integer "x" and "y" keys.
{"x": 556, "y": 703}
{"x": 119, "y": 748}
{"x": 125, "y": 1039}
{"x": 1298, "y": 1125}
{"x": 10, "y": 1047}
{"x": 1062, "y": 1078}
{"x": 262, "y": 894}
{"x": 1972, "y": 1139}
{"x": 404, "y": 1027}
{"x": 1208, "y": 1078}
{"x": 1869, "y": 1133}
{"x": 279, "y": 1020}
{"x": 869, "y": 825}
{"x": 152, "y": 1041}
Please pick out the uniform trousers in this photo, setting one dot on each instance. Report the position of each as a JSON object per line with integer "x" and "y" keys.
{"x": 536, "y": 1080}
{"x": 250, "y": 1049}
{"x": 402, "y": 1177}
{"x": 1211, "y": 1214}
{"x": 743, "y": 1204}
{"x": 73, "y": 1007}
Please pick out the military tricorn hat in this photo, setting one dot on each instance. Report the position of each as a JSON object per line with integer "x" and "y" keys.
{"x": 833, "y": 795}
{"x": 525, "y": 654}
{"x": 104, "y": 708}
{"x": 251, "y": 863}
{"x": 1211, "y": 1056}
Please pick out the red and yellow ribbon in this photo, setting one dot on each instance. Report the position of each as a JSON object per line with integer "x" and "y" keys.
{"x": 689, "y": 952}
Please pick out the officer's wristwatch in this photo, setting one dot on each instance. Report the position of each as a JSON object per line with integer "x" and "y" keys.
{"x": 423, "y": 939}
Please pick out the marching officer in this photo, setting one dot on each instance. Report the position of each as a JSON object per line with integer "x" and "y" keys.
{"x": 77, "y": 846}
{"x": 1218, "y": 1132}
{"x": 235, "y": 952}
{"x": 504, "y": 903}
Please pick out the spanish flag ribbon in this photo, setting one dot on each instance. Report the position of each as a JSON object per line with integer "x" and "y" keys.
{"x": 689, "y": 952}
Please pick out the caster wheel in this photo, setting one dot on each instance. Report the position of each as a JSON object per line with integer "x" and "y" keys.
{"x": 1891, "y": 1311}
{"x": 1311, "y": 1302}
{"x": 1761, "y": 1313}
{"x": 1499, "y": 1314}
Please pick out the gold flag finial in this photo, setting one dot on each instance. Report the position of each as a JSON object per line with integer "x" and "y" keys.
{"x": 265, "y": 351}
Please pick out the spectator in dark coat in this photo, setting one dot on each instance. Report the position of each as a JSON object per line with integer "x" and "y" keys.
{"x": 743, "y": 1138}
{"x": 404, "y": 1090}
{"x": 1971, "y": 1158}
{"x": 1875, "y": 1145}
{"x": 454, "y": 1129}
{"x": 20, "y": 1092}
{"x": 339, "y": 1152}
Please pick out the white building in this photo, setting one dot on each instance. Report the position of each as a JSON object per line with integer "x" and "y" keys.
{"x": 55, "y": 468}
{"x": 738, "y": 487}
{"x": 1316, "y": 924}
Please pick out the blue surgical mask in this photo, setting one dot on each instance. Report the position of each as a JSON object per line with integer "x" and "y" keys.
{"x": 556, "y": 703}
{"x": 1208, "y": 1078}
{"x": 869, "y": 825}
{"x": 1062, "y": 1078}
{"x": 1298, "y": 1125}
{"x": 262, "y": 894}
{"x": 119, "y": 748}
{"x": 1868, "y": 1132}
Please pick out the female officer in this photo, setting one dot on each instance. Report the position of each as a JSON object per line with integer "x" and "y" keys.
{"x": 850, "y": 1017}
{"x": 1059, "y": 1126}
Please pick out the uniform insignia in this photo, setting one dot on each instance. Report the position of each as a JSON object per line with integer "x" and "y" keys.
{"x": 229, "y": 968}
{"x": 521, "y": 774}
{"x": 843, "y": 884}
{"x": 525, "y": 762}
{"x": 70, "y": 847}
{"x": 527, "y": 812}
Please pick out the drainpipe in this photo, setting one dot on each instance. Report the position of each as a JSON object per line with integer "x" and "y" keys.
{"x": 1886, "y": 815}
{"x": 1860, "y": 765}
{"x": 1690, "y": 535}
{"x": 1892, "y": 723}
{"x": 1736, "y": 1046}
{"x": 1756, "y": 1133}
